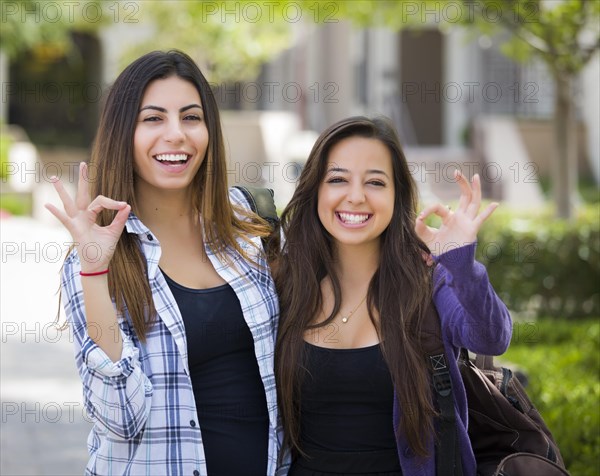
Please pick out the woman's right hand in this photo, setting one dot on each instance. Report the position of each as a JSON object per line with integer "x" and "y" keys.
{"x": 95, "y": 244}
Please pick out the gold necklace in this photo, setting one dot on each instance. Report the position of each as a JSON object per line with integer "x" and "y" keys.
{"x": 345, "y": 318}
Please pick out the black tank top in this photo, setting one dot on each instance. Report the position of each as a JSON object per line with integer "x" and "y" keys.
{"x": 347, "y": 400}
{"x": 229, "y": 393}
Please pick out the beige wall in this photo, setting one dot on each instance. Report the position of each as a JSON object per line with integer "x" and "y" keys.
{"x": 538, "y": 137}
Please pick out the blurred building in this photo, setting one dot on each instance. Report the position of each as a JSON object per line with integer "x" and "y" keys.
{"x": 456, "y": 103}
{"x": 454, "y": 100}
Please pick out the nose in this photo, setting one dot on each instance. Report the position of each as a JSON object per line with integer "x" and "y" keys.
{"x": 356, "y": 194}
{"x": 174, "y": 132}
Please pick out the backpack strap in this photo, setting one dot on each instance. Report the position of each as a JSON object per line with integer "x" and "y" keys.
{"x": 448, "y": 459}
{"x": 262, "y": 203}
{"x": 484, "y": 362}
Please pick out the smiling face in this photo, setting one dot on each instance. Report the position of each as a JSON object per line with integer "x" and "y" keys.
{"x": 356, "y": 195}
{"x": 171, "y": 138}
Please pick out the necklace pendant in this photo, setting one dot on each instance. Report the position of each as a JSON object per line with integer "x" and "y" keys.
{"x": 344, "y": 320}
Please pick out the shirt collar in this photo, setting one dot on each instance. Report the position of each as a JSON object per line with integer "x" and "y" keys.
{"x": 134, "y": 225}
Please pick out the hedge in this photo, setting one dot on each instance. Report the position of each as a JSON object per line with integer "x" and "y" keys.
{"x": 540, "y": 265}
{"x": 4, "y": 147}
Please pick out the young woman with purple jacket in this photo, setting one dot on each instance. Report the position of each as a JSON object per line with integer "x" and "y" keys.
{"x": 358, "y": 272}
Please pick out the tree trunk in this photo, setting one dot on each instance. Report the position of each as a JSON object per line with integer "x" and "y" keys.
{"x": 564, "y": 170}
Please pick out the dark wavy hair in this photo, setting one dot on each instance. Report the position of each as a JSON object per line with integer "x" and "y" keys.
{"x": 308, "y": 256}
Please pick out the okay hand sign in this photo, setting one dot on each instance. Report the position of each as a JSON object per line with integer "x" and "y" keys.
{"x": 95, "y": 244}
{"x": 458, "y": 227}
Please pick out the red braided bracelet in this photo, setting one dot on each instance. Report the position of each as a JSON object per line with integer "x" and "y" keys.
{"x": 97, "y": 273}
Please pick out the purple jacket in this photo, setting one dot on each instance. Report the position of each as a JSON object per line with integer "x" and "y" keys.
{"x": 474, "y": 317}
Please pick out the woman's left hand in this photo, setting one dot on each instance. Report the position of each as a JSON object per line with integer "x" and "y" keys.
{"x": 458, "y": 227}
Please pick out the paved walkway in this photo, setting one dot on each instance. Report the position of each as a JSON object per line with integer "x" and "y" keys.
{"x": 43, "y": 429}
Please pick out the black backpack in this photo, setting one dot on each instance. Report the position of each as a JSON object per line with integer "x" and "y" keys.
{"x": 507, "y": 433}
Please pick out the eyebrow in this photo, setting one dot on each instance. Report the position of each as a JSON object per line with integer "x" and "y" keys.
{"x": 346, "y": 171}
{"x": 162, "y": 109}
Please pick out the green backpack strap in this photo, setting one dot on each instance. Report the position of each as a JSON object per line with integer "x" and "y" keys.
{"x": 262, "y": 203}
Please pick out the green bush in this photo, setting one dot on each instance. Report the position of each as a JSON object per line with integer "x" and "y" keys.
{"x": 540, "y": 265}
{"x": 4, "y": 146}
{"x": 588, "y": 190}
{"x": 562, "y": 361}
{"x": 16, "y": 204}
{"x": 11, "y": 202}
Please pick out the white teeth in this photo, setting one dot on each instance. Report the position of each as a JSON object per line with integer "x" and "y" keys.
{"x": 353, "y": 219}
{"x": 172, "y": 157}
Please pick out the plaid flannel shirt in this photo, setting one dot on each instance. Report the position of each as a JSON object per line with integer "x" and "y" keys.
{"x": 142, "y": 406}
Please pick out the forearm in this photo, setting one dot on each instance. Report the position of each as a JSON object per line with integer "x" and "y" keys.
{"x": 101, "y": 316}
{"x": 473, "y": 316}
{"x": 118, "y": 395}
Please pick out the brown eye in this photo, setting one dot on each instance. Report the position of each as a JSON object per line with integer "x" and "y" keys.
{"x": 377, "y": 183}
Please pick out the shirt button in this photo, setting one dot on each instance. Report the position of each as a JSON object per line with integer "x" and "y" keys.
{"x": 192, "y": 423}
{"x": 150, "y": 237}
{"x": 196, "y": 472}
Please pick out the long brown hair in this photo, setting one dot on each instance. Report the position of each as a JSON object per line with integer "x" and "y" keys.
{"x": 113, "y": 176}
{"x": 308, "y": 256}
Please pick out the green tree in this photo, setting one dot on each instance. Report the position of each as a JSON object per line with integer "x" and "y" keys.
{"x": 30, "y": 25}
{"x": 230, "y": 39}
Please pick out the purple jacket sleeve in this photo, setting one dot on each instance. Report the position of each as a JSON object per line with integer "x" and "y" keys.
{"x": 471, "y": 313}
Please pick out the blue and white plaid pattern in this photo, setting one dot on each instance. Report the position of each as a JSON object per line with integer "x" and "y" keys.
{"x": 143, "y": 409}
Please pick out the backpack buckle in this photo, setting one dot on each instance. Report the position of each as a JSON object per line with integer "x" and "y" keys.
{"x": 442, "y": 383}
{"x": 438, "y": 362}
